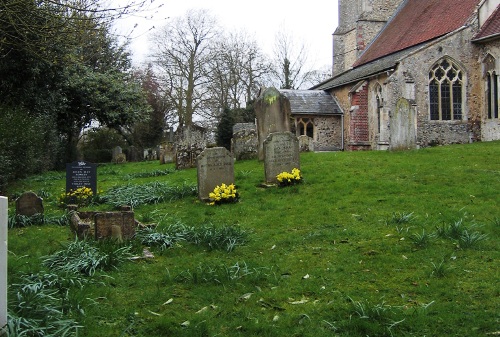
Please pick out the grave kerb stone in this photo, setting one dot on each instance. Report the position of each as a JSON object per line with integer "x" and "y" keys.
{"x": 215, "y": 166}
{"x": 3, "y": 264}
{"x": 281, "y": 154}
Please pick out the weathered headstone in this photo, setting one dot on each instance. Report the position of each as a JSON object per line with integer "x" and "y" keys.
{"x": 116, "y": 154}
{"x": 244, "y": 141}
{"x": 133, "y": 154}
{"x": 215, "y": 167}
{"x": 167, "y": 153}
{"x": 273, "y": 115}
{"x": 306, "y": 144}
{"x": 281, "y": 154}
{"x": 81, "y": 174}
{"x": 190, "y": 143}
{"x": 29, "y": 204}
{"x": 3, "y": 264}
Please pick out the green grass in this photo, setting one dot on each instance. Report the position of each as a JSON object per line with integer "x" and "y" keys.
{"x": 371, "y": 244}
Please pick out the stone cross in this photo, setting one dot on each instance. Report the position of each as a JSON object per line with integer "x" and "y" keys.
{"x": 215, "y": 166}
{"x": 3, "y": 264}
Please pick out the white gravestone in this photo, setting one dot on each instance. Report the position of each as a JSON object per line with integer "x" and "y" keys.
{"x": 3, "y": 264}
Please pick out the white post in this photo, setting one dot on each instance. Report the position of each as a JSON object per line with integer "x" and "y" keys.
{"x": 3, "y": 264}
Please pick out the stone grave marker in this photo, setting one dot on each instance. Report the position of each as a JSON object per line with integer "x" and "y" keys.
{"x": 273, "y": 115}
{"x": 215, "y": 166}
{"x": 81, "y": 174}
{"x": 281, "y": 154}
{"x": 116, "y": 154}
{"x": 244, "y": 141}
{"x": 3, "y": 264}
{"x": 29, "y": 204}
{"x": 189, "y": 145}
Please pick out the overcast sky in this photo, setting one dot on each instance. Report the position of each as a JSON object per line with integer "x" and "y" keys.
{"x": 311, "y": 23}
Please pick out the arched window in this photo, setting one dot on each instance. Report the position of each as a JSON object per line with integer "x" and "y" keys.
{"x": 491, "y": 87}
{"x": 379, "y": 99}
{"x": 306, "y": 127}
{"x": 445, "y": 91}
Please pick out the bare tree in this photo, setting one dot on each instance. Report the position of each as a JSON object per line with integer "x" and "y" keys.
{"x": 182, "y": 55}
{"x": 237, "y": 69}
{"x": 290, "y": 61}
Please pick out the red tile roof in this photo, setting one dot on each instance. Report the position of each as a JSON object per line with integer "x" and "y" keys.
{"x": 418, "y": 21}
{"x": 491, "y": 27}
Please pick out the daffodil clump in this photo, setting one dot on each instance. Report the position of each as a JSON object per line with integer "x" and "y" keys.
{"x": 81, "y": 197}
{"x": 223, "y": 194}
{"x": 287, "y": 178}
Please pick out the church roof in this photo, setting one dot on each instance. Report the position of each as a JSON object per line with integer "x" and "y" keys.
{"x": 490, "y": 29}
{"x": 416, "y": 22}
{"x": 311, "y": 102}
{"x": 365, "y": 71}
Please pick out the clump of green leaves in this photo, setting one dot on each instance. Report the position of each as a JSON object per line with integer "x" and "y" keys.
{"x": 18, "y": 220}
{"x": 210, "y": 236}
{"x": 151, "y": 193}
{"x": 400, "y": 218}
{"x": 465, "y": 236}
{"x": 40, "y": 304}
{"x": 421, "y": 240}
{"x": 154, "y": 173}
{"x": 81, "y": 256}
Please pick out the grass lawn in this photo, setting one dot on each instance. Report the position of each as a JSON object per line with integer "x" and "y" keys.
{"x": 370, "y": 244}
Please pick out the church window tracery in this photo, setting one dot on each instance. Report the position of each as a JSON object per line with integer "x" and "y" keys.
{"x": 446, "y": 91}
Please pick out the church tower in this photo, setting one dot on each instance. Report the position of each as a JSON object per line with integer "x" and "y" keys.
{"x": 359, "y": 22}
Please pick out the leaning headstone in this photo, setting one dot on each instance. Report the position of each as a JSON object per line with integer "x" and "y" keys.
{"x": 29, "y": 204}
{"x": 81, "y": 174}
{"x": 281, "y": 154}
{"x": 215, "y": 167}
{"x": 3, "y": 264}
{"x": 273, "y": 115}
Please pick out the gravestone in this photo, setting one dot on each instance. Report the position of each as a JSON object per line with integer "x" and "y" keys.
{"x": 3, "y": 264}
{"x": 29, "y": 204}
{"x": 133, "y": 154}
{"x": 81, "y": 174}
{"x": 281, "y": 154}
{"x": 116, "y": 154}
{"x": 189, "y": 145}
{"x": 244, "y": 141}
{"x": 273, "y": 115}
{"x": 167, "y": 153}
{"x": 215, "y": 166}
{"x": 306, "y": 144}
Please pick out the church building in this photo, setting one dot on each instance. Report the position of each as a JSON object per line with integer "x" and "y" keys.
{"x": 416, "y": 73}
